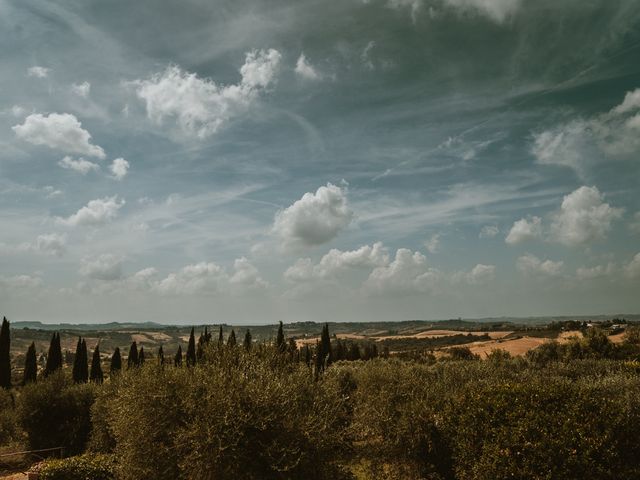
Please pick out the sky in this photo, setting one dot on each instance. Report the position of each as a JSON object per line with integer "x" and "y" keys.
{"x": 318, "y": 160}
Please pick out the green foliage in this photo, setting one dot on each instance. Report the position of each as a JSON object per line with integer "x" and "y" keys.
{"x": 9, "y": 430}
{"x": 82, "y": 467}
{"x": 236, "y": 415}
{"x": 461, "y": 353}
{"x": 5, "y": 354}
{"x": 56, "y": 413}
{"x": 546, "y": 428}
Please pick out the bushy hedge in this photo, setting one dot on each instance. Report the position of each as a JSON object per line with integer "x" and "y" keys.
{"x": 240, "y": 416}
{"x": 489, "y": 420}
{"x": 256, "y": 415}
{"x": 82, "y": 467}
{"x": 8, "y": 419}
{"x": 56, "y": 413}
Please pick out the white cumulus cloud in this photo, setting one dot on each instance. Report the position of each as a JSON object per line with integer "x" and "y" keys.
{"x": 20, "y": 282}
{"x": 81, "y": 165}
{"x": 305, "y": 69}
{"x": 103, "y": 267}
{"x": 584, "y": 217}
{"x": 529, "y": 264}
{"x": 488, "y": 231}
{"x": 81, "y": 89}
{"x": 208, "y": 278}
{"x": 96, "y": 212}
{"x": 60, "y": 131}
{"x": 524, "y": 229}
{"x": 632, "y": 269}
{"x": 200, "y": 106}
{"x": 408, "y": 273}
{"x": 314, "y": 219}
{"x": 38, "y": 72}
{"x": 337, "y": 261}
{"x": 119, "y": 168}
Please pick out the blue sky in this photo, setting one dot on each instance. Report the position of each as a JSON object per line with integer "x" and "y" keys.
{"x": 247, "y": 162}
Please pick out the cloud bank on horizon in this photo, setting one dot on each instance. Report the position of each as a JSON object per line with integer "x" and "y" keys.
{"x": 242, "y": 163}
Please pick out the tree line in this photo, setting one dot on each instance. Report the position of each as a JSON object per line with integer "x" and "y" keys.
{"x": 319, "y": 356}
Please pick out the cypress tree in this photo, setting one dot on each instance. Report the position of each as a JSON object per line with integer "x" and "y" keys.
{"x": 325, "y": 344}
{"x": 207, "y": 335}
{"x": 84, "y": 364}
{"x": 141, "y": 357}
{"x": 96, "y": 375}
{"x": 132, "y": 359}
{"x": 323, "y": 350}
{"x": 54, "y": 355}
{"x": 220, "y": 337}
{"x": 80, "y": 371}
{"x": 30, "y": 365}
{"x": 116, "y": 362}
{"x": 160, "y": 356}
{"x": 177, "y": 360}
{"x": 354, "y": 352}
{"x": 231, "y": 341}
{"x": 191, "y": 350}
{"x": 5, "y": 354}
{"x": 280, "y": 343}
{"x": 247, "y": 341}
{"x": 307, "y": 355}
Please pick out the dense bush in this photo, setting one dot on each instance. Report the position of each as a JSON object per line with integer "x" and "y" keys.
{"x": 546, "y": 429}
{"x": 238, "y": 415}
{"x": 568, "y": 411}
{"x": 82, "y": 467}
{"x": 56, "y": 413}
{"x": 8, "y": 420}
{"x": 488, "y": 420}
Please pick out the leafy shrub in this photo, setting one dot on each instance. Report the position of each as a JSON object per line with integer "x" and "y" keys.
{"x": 56, "y": 413}
{"x": 545, "y": 429}
{"x": 8, "y": 419}
{"x": 82, "y": 467}
{"x": 238, "y": 415}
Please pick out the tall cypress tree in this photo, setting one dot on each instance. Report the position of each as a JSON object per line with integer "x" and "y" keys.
{"x": 96, "y": 374}
{"x": 247, "y": 341}
{"x": 84, "y": 364}
{"x": 280, "y": 342}
{"x": 80, "y": 367}
{"x": 160, "y": 356}
{"x": 116, "y": 362}
{"x": 132, "y": 359}
{"x": 30, "y": 365}
{"x": 231, "y": 341}
{"x": 191, "y": 349}
{"x": 141, "y": 356}
{"x": 220, "y": 337}
{"x": 5, "y": 354}
{"x": 177, "y": 360}
{"x": 323, "y": 350}
{"x": 54, "y": 355}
